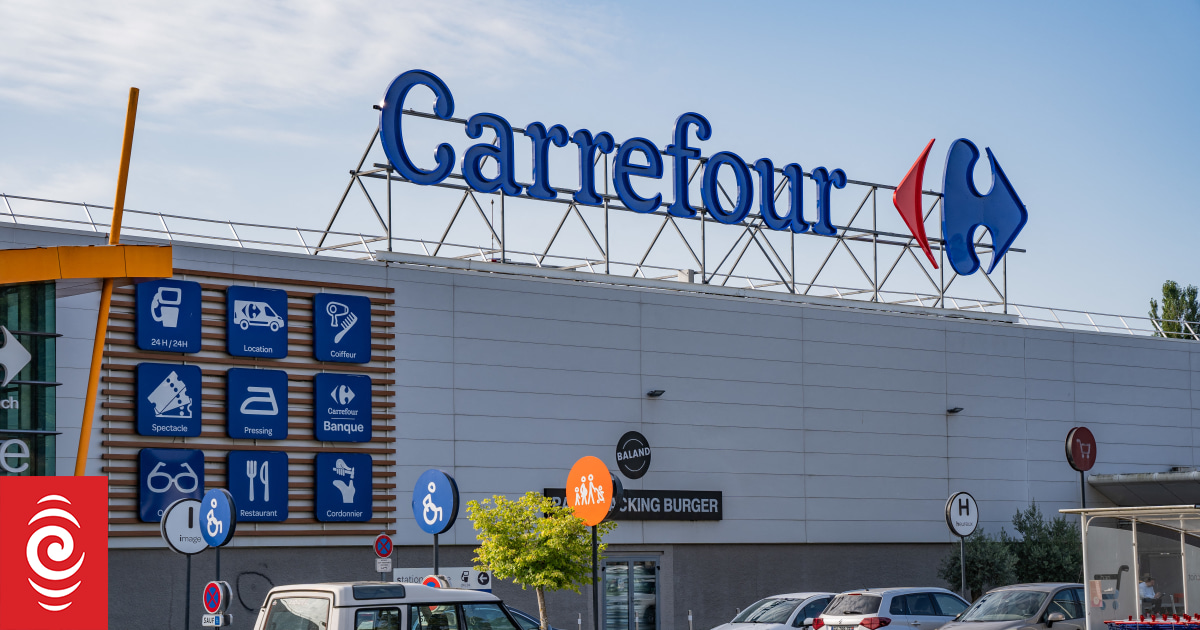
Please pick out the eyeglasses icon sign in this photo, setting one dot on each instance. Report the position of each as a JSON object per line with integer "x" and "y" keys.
{"x": 165, "y": 480}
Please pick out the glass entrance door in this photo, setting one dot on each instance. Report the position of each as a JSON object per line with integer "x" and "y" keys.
{"x": 630, "y": 594}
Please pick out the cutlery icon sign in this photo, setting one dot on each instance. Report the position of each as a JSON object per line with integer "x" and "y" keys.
{"x": 254, "y": 469}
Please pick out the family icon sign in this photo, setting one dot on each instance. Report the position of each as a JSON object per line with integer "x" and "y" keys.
{"x": 590, "y": 490}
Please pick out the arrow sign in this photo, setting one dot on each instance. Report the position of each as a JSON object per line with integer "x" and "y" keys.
{"x": 13, "y": 356}
{"x": 907, "y": 199}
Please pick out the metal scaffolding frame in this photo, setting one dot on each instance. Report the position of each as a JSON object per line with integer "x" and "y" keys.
{"x": 697, "y": 263}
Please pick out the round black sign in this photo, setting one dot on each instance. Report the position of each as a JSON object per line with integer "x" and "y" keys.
{"x": 633, "y": 455}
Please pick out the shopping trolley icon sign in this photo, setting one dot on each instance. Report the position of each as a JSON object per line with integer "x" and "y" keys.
{"x": 168, "y": 316}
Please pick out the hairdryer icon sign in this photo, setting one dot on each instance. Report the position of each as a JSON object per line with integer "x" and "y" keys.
{"x": 340, "y": 317}
{"x": 164, "y": 308}
{"x": 347, "y": 489}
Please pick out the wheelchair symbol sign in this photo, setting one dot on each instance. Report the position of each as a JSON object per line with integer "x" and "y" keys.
{"x": 435, "y": 501}
{"x": 218, "y": 517}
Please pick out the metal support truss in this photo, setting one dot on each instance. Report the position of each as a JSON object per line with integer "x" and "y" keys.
{"x": 759, "y": 258}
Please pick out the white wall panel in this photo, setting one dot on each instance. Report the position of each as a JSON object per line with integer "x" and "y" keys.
{"x": 819, "y": 424}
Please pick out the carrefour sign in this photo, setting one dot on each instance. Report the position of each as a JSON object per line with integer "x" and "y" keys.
{"x": 964, "y": 209}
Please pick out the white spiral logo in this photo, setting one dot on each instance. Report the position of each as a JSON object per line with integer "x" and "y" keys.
{"x": 59, "y": 551}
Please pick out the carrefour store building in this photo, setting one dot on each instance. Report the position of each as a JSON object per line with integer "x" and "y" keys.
{"x": 770, "y": 438}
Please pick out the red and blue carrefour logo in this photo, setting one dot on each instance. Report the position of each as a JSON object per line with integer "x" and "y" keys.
{"x": 963, "y": 208}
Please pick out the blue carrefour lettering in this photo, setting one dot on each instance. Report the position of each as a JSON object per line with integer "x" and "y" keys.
{"x": 745, "y": 188}
{"x": 824, "y": 180}
{"x": 502, "y": 152}
{"x": 389, "y": 126}
{"x": 623, "y": 169}
{"x": 587, "y": 163}
{"x": 794, "y": 219}
{"x": 636, "y": 157}
{"x": 681, "y": 152}
{"x": 542, "y": 138}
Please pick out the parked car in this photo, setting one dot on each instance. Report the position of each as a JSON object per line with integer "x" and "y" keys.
{"x": 1025, "y": 606}
{"x": 779, "y": 612}
{"x": 380, "y": 606}
{"x": 526, "y": 620}
{"x": 874, "y": 608}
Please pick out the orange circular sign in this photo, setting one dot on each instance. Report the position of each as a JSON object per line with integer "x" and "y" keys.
{"x": 589, "y": 490}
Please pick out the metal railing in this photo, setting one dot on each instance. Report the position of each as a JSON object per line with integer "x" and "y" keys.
{"x": 356, "y": 245}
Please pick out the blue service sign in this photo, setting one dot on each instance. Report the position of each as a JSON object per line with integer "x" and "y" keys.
{"x": 341, "y": 328}
{"x": 218, "y": 517}
{"x": 168, "y": 399}
{"x": 343, "y": 407}
{"x": 435, "y": 501}
{"x": 257, "y": 322}
{"x": 343, "y": 491}
{"x": 258, "y": 481}
{"x": 256, "y": 404}
{"x": 168, "y": 316}
{"x": 167, "y": 475}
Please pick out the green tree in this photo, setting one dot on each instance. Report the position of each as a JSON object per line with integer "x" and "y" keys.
{"x": 1048, "y": 550}
{"x": 534, "y": 543}
{"x": 990, "y": 563}
{"x": 1179, "y": 305}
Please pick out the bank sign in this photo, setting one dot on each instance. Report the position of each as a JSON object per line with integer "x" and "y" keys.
{"x": 963, "y": 209}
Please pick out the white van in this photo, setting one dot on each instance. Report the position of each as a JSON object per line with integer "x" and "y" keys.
{"x": 381, "y": 606}
{"x": 247, "y": 313}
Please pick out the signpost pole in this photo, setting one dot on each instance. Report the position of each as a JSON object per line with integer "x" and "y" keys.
{"x": 435, "y": 554}
{"x": 114, "y": 237}
{"x": 1082, "y": 491}
{"x": 595, "y": 584}
{"x": 187, "y": 596}
{"x": 962, "y": 562}
{"x": 218, "y": 564}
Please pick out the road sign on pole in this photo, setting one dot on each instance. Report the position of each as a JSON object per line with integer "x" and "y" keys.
{"x": 181, "y": 527}
{"x": 1081, "y": 455}
{"x": 383, "y": 545}
{"x": 218, "y": 517}
{"x": 962, "y": 516}
{"x": 216, "y": 597}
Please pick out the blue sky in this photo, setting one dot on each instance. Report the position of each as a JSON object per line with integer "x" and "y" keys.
{"x": 255, "y": 111}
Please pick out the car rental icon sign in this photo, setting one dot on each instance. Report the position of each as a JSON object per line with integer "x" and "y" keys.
{"x": 257, "y": 322}
{"x": 54, "y": 553}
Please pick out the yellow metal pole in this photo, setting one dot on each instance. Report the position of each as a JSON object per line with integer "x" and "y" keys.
{"x": 114, "y": 237}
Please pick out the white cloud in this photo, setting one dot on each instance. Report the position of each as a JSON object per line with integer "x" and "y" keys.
{"x": 273, "y": 55}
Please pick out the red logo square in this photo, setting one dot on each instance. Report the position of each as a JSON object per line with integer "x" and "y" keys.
{"x": 54, "y": 550}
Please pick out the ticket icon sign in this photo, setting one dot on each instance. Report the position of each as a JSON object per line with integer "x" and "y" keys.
{"x": 168, "y": 399}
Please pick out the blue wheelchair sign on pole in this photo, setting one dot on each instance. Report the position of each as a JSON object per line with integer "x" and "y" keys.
{"x": 218, "y": 517}
{"x": 435, "y": 505}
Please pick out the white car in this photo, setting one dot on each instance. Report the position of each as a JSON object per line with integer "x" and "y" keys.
{"x": 874, "y": 608}
{"x": 779, "y": 612}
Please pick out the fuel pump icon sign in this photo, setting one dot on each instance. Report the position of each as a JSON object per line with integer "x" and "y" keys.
{"x": 168, "y": 316}
{"x": 164, "y": 308}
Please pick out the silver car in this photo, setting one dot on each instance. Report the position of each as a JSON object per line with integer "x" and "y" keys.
{"x": 780, "y": 612}
{"x": 1032, "y": 606}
